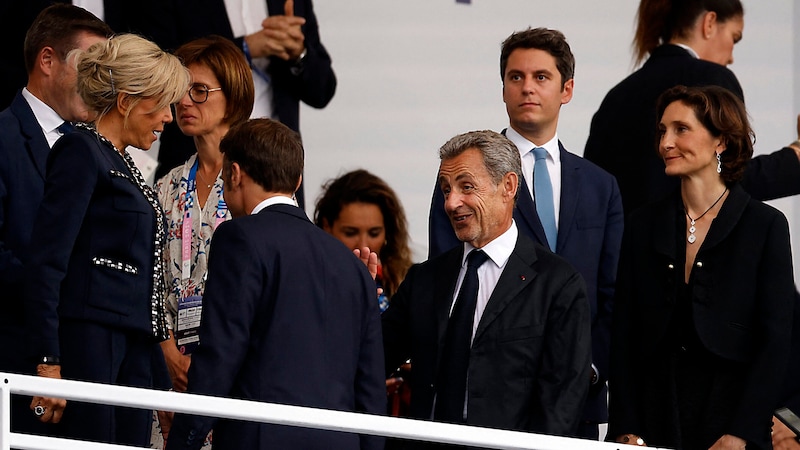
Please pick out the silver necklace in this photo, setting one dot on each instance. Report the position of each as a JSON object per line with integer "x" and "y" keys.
{"x": 692, "y": 238}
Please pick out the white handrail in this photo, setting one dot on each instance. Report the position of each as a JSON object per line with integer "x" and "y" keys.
{"x": 259, "y": 412}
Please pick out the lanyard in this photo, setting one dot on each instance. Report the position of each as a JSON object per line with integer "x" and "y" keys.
{"x": 186, "y": 229}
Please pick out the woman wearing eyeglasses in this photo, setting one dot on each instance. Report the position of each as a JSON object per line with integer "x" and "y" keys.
{"x": 220, "y": 96}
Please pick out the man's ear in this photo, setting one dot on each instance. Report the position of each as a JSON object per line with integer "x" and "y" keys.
{"x": 299, "y": 182}
{"x": 510, "y": 184}
{"x": 236, "y": 176}
{"x": 45, "y": 59}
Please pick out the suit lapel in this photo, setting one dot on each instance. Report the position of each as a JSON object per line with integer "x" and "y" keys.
{"x": 526, "y": 216}
{"x": 570, "y": 189}
{"x": 446, "y": 275}
{"x": 517, "y": 274}
{"x": 35, "y": 142}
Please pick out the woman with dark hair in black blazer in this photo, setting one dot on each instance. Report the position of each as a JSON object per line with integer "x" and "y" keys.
{"x": 689, "y": 43}
{"x": 702, "y": 317}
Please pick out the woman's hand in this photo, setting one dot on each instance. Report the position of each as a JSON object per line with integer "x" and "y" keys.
{"x": 729, "y": 442}
{"x": 165, "y": 423}
{"x": 177, "y": 364}
{"x": 51, "y": 408}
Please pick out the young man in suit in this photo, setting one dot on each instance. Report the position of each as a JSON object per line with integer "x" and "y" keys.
{"x": 29, "y": 127}
{"x": 506, "y": 344}
{"x": 303, "y": 327}
{"x": 585, "y": 209}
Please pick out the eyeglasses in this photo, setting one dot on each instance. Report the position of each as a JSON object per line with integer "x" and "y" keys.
{"x": 199, "y": 92}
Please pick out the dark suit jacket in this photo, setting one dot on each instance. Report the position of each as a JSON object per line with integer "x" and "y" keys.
{"x": 289, "y": 316}
{"x": 171, "y": 23}
{"x": 91, "y": 210}
{"x": 589, "y": 236}
{"x": 23, "y": 159}
{"x": 15, "y": 19}
{"x": 531, "y": 353}
{"x": 741, "y": 304}
{"x": 622, "y": 138}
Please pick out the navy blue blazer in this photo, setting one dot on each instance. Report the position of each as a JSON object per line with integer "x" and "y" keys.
{"x": 94, "y": 261}
{"x": 23, "y": 160}
{"x": 622, "y": 137}
{"x": 289, "y": 316}
{"x": 590, "y": 227}
{"x": 531, "y": 354}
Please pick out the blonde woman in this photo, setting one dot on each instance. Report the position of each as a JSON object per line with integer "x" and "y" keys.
{"x": 94, "y": 290}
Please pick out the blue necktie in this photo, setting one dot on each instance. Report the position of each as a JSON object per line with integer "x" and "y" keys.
{"x": 65, "y": 128}
{"x": 543, "y": 196}
{"x": 451, "y": 387}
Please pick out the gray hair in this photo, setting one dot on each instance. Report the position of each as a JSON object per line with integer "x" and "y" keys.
{"x": 500, "y": 155}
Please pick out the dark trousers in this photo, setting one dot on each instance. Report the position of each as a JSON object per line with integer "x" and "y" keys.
{"x": 97, "y": 353}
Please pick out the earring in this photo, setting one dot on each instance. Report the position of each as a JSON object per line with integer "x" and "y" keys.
{"x": 719, "y": 164}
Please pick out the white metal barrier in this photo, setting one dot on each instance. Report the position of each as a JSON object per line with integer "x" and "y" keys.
{"x": 257, "y": 412}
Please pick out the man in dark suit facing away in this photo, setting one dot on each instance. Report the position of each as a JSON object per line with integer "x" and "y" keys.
{"x": 29, "y": 127}
{"x": 497, "y": 329}
{"x": 289, "y": 313}
{"x": 585, "y": 208}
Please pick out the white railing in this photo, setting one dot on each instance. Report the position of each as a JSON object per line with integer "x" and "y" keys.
{"x": 257, "y": 412}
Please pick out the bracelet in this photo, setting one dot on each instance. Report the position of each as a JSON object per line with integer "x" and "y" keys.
{"x": 50, "y": 360}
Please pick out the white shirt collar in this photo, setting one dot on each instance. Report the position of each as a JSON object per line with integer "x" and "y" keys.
{"x": 688, "y": 49}
{"x": 276, "y": 200}
{"x": 47, "y": 117}
{"x": 525, "y": 146}
{"x": 499, "y": 249}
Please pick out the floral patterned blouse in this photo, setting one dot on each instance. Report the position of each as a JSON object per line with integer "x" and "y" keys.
{"x": 172, "y": 190}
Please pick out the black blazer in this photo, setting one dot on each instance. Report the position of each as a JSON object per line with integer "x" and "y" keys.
{"x": 23, "y": 160}
{"x": 742, "y": 305}
{"x": 531, "y": 354}
{"x": 171, "y": 23}
{"x": 590, "y": 232}
{"x": 289, "y": 316}
{"x": 622, "y": 138}
{"x": 92, "y": 258}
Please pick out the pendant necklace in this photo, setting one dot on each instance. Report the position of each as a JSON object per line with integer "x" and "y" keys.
{"x": 202, "y": 178}
{"x": 692, "y": 229}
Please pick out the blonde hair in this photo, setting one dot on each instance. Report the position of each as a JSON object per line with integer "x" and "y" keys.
{"x": 128, "y": 64}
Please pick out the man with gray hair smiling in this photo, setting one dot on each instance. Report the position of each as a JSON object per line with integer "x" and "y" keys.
{"x": 497, "y": 328}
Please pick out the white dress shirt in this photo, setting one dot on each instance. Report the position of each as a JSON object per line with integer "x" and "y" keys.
{"x": 245, "y": 17}
{"x": 48, "y": 119}
{"x": 277, "y": 200}
{"x": 498, "y": 251}
{"x": 525, "y": 148}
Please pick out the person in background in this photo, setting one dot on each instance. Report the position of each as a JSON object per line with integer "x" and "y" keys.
{"x": 566, "y": 203}
{"x": 220, "y": 96}
{"x": 281, "y": 40}
{"x": 705, "y": 292}
{"x": 16, "y": 17}
{"x": 39, "y": 114}
{"x": 304, "y": 328}
{"x": 94, "y": 287}
{"x": 361, "y": 210}
{"x": 689, "y": 43}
